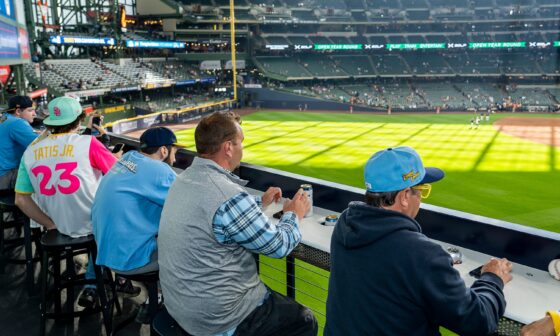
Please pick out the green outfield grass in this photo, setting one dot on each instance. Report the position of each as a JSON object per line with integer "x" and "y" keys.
{"x": 487, "y": 172}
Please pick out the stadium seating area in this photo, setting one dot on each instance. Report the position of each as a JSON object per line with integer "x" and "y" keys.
{"x": 410, "y": 95}
{"x": 158, "y": 101}
{"x": 379, "y": 10}
{"x": 410, "y": 63}
{"x": 82, "y": 75}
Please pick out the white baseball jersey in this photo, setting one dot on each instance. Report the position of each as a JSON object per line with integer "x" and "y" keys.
{"x": 63, "y": 172}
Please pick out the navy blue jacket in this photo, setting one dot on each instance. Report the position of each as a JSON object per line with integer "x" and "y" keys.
{"x": 387, "y": 278}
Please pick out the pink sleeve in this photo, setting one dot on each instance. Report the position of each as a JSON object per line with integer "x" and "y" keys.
{"x": 100, "y": 157}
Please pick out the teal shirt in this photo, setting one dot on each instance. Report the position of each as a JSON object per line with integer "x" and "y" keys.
{"x": 127, "y": 209}
{"x": 15, "y": 135}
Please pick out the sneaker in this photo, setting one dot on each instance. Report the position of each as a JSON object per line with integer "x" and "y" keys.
{"x": 143, "y": 315}
{"x": 88, "y": 298}
{"x": 126, "y": 287}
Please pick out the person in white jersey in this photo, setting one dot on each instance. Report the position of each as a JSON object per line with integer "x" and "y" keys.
{"x": 62, "y": 172}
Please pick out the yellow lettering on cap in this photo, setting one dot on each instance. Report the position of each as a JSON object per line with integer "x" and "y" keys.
{"x": 410, "y": 176}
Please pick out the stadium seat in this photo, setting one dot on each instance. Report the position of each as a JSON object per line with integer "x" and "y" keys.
{"x": 58, "y": 247}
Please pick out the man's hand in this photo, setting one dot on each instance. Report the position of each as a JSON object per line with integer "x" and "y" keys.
{"x": 118, "y": 155}
{"x": 273, "y": 194}
{"x": 542, "y": 327}
{"x": 90, "y": 119}
{"x": 100, "y": 128}
{"x": 28, "y": 206}
{"x": 500, "y": 267}
{"x": 299, "y": 204}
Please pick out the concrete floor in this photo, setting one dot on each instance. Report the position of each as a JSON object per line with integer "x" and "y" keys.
{"x": 19, "y": 312}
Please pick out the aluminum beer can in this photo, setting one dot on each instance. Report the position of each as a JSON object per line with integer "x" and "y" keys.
{"x": 308, "y": 189}
{"x": 331, "y": 220}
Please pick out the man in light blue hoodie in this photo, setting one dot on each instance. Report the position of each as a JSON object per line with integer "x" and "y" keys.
{"x": 128, "y": 204}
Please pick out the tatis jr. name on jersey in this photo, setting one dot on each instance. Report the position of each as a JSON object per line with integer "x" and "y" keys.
{"x": 54, "y": 151}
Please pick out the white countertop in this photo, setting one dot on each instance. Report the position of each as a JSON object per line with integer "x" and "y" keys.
{"x": 529, "y": 295}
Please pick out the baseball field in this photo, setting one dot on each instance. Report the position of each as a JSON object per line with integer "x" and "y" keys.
{"x": 507, "y": 168}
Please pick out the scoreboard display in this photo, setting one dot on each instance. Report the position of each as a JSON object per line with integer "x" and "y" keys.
{"x": 14, "y": 40}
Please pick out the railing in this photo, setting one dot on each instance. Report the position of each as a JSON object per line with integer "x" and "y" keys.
{"x": 304, "y": 274}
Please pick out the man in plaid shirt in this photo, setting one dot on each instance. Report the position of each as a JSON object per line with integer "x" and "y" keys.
{"x": 210, "y": 227}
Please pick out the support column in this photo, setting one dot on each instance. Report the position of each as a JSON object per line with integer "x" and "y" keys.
{"x": 19, "y": 79}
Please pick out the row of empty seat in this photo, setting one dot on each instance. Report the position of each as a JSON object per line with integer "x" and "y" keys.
{"x": 407, "y": 63}
{"x": 446, "y": 95}
{"x": 83, "y": 75}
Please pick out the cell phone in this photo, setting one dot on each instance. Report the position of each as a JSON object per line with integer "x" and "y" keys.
{"x": 96, "y": 121}
{"x": 118, "y": 147}
{"x": 278, "y": 214}
{"x": 476, "y": 272}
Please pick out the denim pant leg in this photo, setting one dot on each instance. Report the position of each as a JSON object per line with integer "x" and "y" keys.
{"x": 279, "y": 315}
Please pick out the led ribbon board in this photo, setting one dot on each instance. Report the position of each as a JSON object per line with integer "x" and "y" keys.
{"x": 496, "y": 45}
{"x": 400, "y": 46}
{"x": 59, "y": 39}
{"x": 155, "y": 44}
{"x": 338, "y": 47}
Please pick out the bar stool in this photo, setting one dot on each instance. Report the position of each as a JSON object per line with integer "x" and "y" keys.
{"x": 18, "y": 222}
{"x": 150, "y": 280}
{"x": 57, "y": 246}
{"x": 165, "y": 325}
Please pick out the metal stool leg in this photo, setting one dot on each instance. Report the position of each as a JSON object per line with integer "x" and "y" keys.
{"x": 2, "y": 260}
{"x": 28, "y": 243}
{"x": 70, "y": 275}
{"x": 152, "y": 288}
{"x": 44, "y": 282}
{"x": 57, "y": 287}
{"x": 106, "y": 308}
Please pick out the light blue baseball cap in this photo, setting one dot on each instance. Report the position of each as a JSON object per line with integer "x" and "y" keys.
{"x": 398, "y": 168}
{"x": 63, "y": 111}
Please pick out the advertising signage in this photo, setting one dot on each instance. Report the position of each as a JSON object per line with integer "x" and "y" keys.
{"x": 496, "y": 45}
{"x": 338, "y": 46}
{"x": 9, "y": 43}
{"x": 303, "y": 46}
{"x": 277, "y": 46}
{"x": 59, "y": 39}
{"x": 399, "y": 46}
{"x": 155, "y": 44}
{"x": 373, "y": 46}
{"x": 185, "y": 82}
{"x": 414, "y": 46}
{"x": 7, "y": 9}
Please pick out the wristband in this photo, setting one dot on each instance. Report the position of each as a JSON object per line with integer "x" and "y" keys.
{"x": 555, "y": 316}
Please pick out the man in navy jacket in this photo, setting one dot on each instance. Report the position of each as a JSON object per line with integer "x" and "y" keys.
{"x": 387, "y": 278}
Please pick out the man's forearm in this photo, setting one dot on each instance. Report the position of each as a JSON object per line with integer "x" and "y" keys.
{"x": 32, "y": 210}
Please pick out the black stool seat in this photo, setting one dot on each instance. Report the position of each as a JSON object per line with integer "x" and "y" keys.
{"x": 17, "y": 221}
{"x": 165, "y": 325}
{"x": 8, "y": 200}
{"x": 143, "y": 277}
{"x": 53, "y": 240}
{"x": 59, "y": 246}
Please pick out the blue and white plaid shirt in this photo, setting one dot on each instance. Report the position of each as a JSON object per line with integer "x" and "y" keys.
{"x": 240, "y": 220}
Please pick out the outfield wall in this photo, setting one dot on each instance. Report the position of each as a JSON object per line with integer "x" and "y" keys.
{"x": 271, "y": 99}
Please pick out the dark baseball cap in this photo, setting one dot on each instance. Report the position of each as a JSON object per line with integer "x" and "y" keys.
{"x": 157, "y": 137}
{"x": 22, "y": 102}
